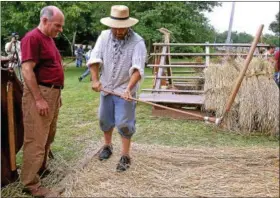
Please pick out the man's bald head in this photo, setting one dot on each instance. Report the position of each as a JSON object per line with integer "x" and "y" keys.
{"x": 51, "y": 21}
{"x": 50, "y": 11}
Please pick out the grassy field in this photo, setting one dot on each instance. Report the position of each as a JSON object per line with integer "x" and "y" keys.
{"x": 78, "y": 127}
{"x": 78, "y": 123}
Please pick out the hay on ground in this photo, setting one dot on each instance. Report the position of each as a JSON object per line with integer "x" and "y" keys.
{"x": 59, "y": 169}
{"x": 161, "y": 171}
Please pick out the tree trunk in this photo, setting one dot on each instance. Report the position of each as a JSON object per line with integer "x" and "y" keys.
{"x": 70, "y": 44}
{"x": 73, "y": 41}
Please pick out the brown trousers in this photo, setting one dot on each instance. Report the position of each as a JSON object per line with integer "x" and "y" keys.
{"x": 39, "y": 132}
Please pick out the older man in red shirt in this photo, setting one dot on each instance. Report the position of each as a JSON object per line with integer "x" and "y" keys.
{"x": 43, "y": 80}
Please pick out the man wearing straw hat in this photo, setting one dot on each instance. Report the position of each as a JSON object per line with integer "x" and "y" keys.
{"x": 120, "y": 54}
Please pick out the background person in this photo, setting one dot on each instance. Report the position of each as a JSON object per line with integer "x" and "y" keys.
{"x": 13, "y": 50}
{"x": 79, "y": 56}
{"x": 270, "y": 53}
{"x": 13, "y": 46}
{"x": 277, "y": 67}
{"x": 87, "y": 72}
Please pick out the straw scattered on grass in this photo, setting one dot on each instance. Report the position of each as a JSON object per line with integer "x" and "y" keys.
{"x": 180, "y": 172}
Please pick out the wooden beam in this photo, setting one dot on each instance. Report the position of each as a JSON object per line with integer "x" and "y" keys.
{"x": 11, "y": 125}
{"x": 210, "y": 44}
{"x": 175, "y": 77}
{"x": 243, "y": 71}
{"x": 187, "y": 63}
{"x": 201, "y": 54}
{"x": 172, "y": 98}
{"x": 174, "y": 91}
{"x": 178, "y": 66}
{"x": 163, "y": 59}
{"x": 187, "y": 84}
{"x": 184, "y": 72}
{"x": 160, "y": 70}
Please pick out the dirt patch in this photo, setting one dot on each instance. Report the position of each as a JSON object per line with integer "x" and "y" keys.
{"x": 180, "y": 172}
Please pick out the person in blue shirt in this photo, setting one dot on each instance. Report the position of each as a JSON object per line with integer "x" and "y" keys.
{"x": 87, "y": 72}
{"x": 79, "y": 56}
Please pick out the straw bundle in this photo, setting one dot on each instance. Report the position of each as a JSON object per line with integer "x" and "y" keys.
{"x": 256, "y": 106}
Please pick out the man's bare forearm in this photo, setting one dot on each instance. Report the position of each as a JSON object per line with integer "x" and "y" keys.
{"x": 30, "y": 81}
{"x": 94, "y": 70}
{"x": 135, "y": 77}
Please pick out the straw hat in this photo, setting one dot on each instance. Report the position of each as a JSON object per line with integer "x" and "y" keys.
{"x": 119, "y": 18}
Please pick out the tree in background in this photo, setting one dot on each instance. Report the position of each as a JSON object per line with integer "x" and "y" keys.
{"x": 274, "y": 26}
{"x": 79, "y": 18}
{"x": 271, "y": 39}
{"x": 236, "y": 37}
{"x": 184, "y": 19}
{"x": 82, "y": 19}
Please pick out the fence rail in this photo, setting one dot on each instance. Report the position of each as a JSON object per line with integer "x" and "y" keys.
{"x": 177, "y": 66}
{"x": 210, "y": 44}
{"x": 201, "y": 54}
{"x": 223, "y": 50}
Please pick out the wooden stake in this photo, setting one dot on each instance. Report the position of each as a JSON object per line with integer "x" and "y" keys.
{"x": 242, "y": 73}
{"x": 11, "y": 125}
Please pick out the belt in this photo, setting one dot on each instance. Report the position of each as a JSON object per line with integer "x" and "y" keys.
{"x": 51, "y": 85}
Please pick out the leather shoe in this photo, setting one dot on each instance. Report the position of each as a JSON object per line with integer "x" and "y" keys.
{"x": 44, "y": 172}
{"x": 106, "y": 152}
{"x": 124, "y": 163}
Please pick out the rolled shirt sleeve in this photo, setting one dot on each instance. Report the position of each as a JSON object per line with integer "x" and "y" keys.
{"x": 139, "y": 59}
{"x": 96, "y": 55}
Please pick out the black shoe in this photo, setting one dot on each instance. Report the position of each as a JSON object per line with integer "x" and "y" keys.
{"x": 106, "y": 152}
{"x": 44, "y": 172}
{"x": 80, "y": 79}
{"x": 123, "y": 164}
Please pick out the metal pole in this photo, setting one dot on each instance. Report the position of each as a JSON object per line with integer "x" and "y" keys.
{"x": 230, "y": 23}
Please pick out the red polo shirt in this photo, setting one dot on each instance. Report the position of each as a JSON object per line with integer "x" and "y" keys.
{"x": 42, "y": 50}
